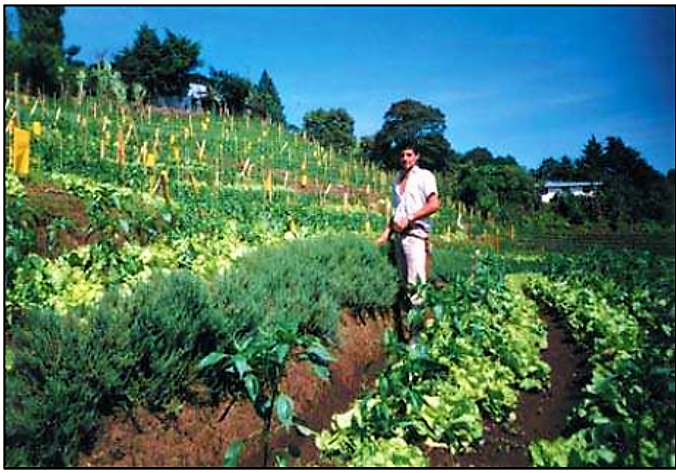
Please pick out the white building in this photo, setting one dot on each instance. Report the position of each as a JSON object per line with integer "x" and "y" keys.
{"x": 577, "y": 188}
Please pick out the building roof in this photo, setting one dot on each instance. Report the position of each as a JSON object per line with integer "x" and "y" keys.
{"x": 562, "y": 184}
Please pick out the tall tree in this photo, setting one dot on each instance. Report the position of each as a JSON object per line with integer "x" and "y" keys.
{"x": 591, "y": 164}
{"x": 331, "y": 128}
{"x": 163, "y": 68}
{"x": 264, "y": 101}
{"x": 180, "y": 57}
{"x": 411, "y": 120}
{"x": 140, "y": 63}
{"x": 42, "y": 59}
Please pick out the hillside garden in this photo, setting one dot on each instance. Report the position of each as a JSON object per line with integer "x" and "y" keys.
{"x": 187, "y": 274}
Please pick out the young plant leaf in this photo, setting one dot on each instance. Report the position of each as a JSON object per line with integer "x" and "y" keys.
{"x": 210, "y": 359}
{"x": 319, "y": 355}
{"x": 303, "y": 430}
{"x": 282, "y": 351}
{"x": 321, "y": 371}
{"x": 241, "y": 365}
{"x": 282, "y": 460}
{"x": 232, "y": 454}
{"x": 284, "y": 410}
{"x": 252, "y": 386}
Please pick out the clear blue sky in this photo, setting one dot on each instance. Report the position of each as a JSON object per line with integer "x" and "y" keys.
{"x": 530, "y": 82}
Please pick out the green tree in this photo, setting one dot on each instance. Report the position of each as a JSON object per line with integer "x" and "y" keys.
{"x": 557, "y": 170}
{"x": 331, "y": 128}
{"x": 264, "y": 101}
{"x": 633, "y": 192}
{"x": 410, "y": 120}
{"x": 496, "y": 186}
{"x": 591, "y": 165}
{"x": 42, "y": 61}
{"x": 163, "y": 68}
{"x": 233, "y": 89}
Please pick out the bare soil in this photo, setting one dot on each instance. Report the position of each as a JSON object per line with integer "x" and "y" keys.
{"x": 48, "y": 203}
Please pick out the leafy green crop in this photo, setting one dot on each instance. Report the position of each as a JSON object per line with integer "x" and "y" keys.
{"x": 480, "y": 349}
{"x": 625, "y": 319}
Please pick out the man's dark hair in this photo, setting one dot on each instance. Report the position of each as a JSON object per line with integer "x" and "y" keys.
{"x": 409, "y": 144}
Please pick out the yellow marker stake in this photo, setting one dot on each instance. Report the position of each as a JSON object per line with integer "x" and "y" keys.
{"x": 21, "y": 151}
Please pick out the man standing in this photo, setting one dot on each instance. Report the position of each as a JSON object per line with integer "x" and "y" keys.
{"x": 414, "y": 198}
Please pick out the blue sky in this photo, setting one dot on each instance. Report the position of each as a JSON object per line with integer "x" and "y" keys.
{"x": 530, "y": 82}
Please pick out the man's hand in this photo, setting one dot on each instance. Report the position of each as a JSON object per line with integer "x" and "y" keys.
{"x": 382, "y": 239}
{"x": 401, "y": 222}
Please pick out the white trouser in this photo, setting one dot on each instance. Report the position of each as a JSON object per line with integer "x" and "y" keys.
{"x": 412, "y": 259}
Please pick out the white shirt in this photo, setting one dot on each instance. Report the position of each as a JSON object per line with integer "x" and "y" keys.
{"x": 420, "y": 185}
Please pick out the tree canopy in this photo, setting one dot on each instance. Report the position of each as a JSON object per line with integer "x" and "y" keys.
{"x": 410, "y": 120}
{"x": 495, "y": 185}
{"x": 331, "y": 128}
{"x": 162, "y": 67}
{"x": 264, "y": 100}
{"x": 233, "y": 89}
{"x": 632, "y": 190}
{"x": 38, "y": 53}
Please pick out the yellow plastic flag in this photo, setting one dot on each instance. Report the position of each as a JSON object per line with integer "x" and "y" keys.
{"x": 21, "y": 151}
{"x": 151, "y": 159}
{"x": 37, "y": 128}
{"x": 303, "y": 180}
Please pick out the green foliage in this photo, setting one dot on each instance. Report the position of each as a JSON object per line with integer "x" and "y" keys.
{"x": 495, "y": 186}
{"x": 632, "y": 191}
{"x": 409, "y": 120}
{"x": 232, "y": 89}
{"x": 141, "y": 345}
{"x": 109, "y": 85}
{"x": 311, "y": 281}
{"x": 622, "y": 311}
{"x": 64, "y": 377}
{"x": 256, "y": 370}
{"x": 163, "y": 67}
{"x": 482, "y": 346}
{"x": 172, "y": 324}
{"x": 333, "y": 128}
{"x": 42, "y": 59}
{"x": 264, "y": 100}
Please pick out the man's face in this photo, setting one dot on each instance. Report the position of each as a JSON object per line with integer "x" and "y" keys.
{"x": 408, "y": 158}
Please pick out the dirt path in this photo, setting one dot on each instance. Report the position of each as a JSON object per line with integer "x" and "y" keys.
{"x": 196, "y": 438}
{"x": 538, "y": 416}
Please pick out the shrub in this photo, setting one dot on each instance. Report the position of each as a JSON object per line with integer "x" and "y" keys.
{"x": 61, "y": 381}
{"x": 173, "y": 325}
{"x": 306, "y": 284}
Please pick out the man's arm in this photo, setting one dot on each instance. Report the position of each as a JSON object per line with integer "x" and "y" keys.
{"x": 432, "y": 205}
{"x": 385, "y": 235}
